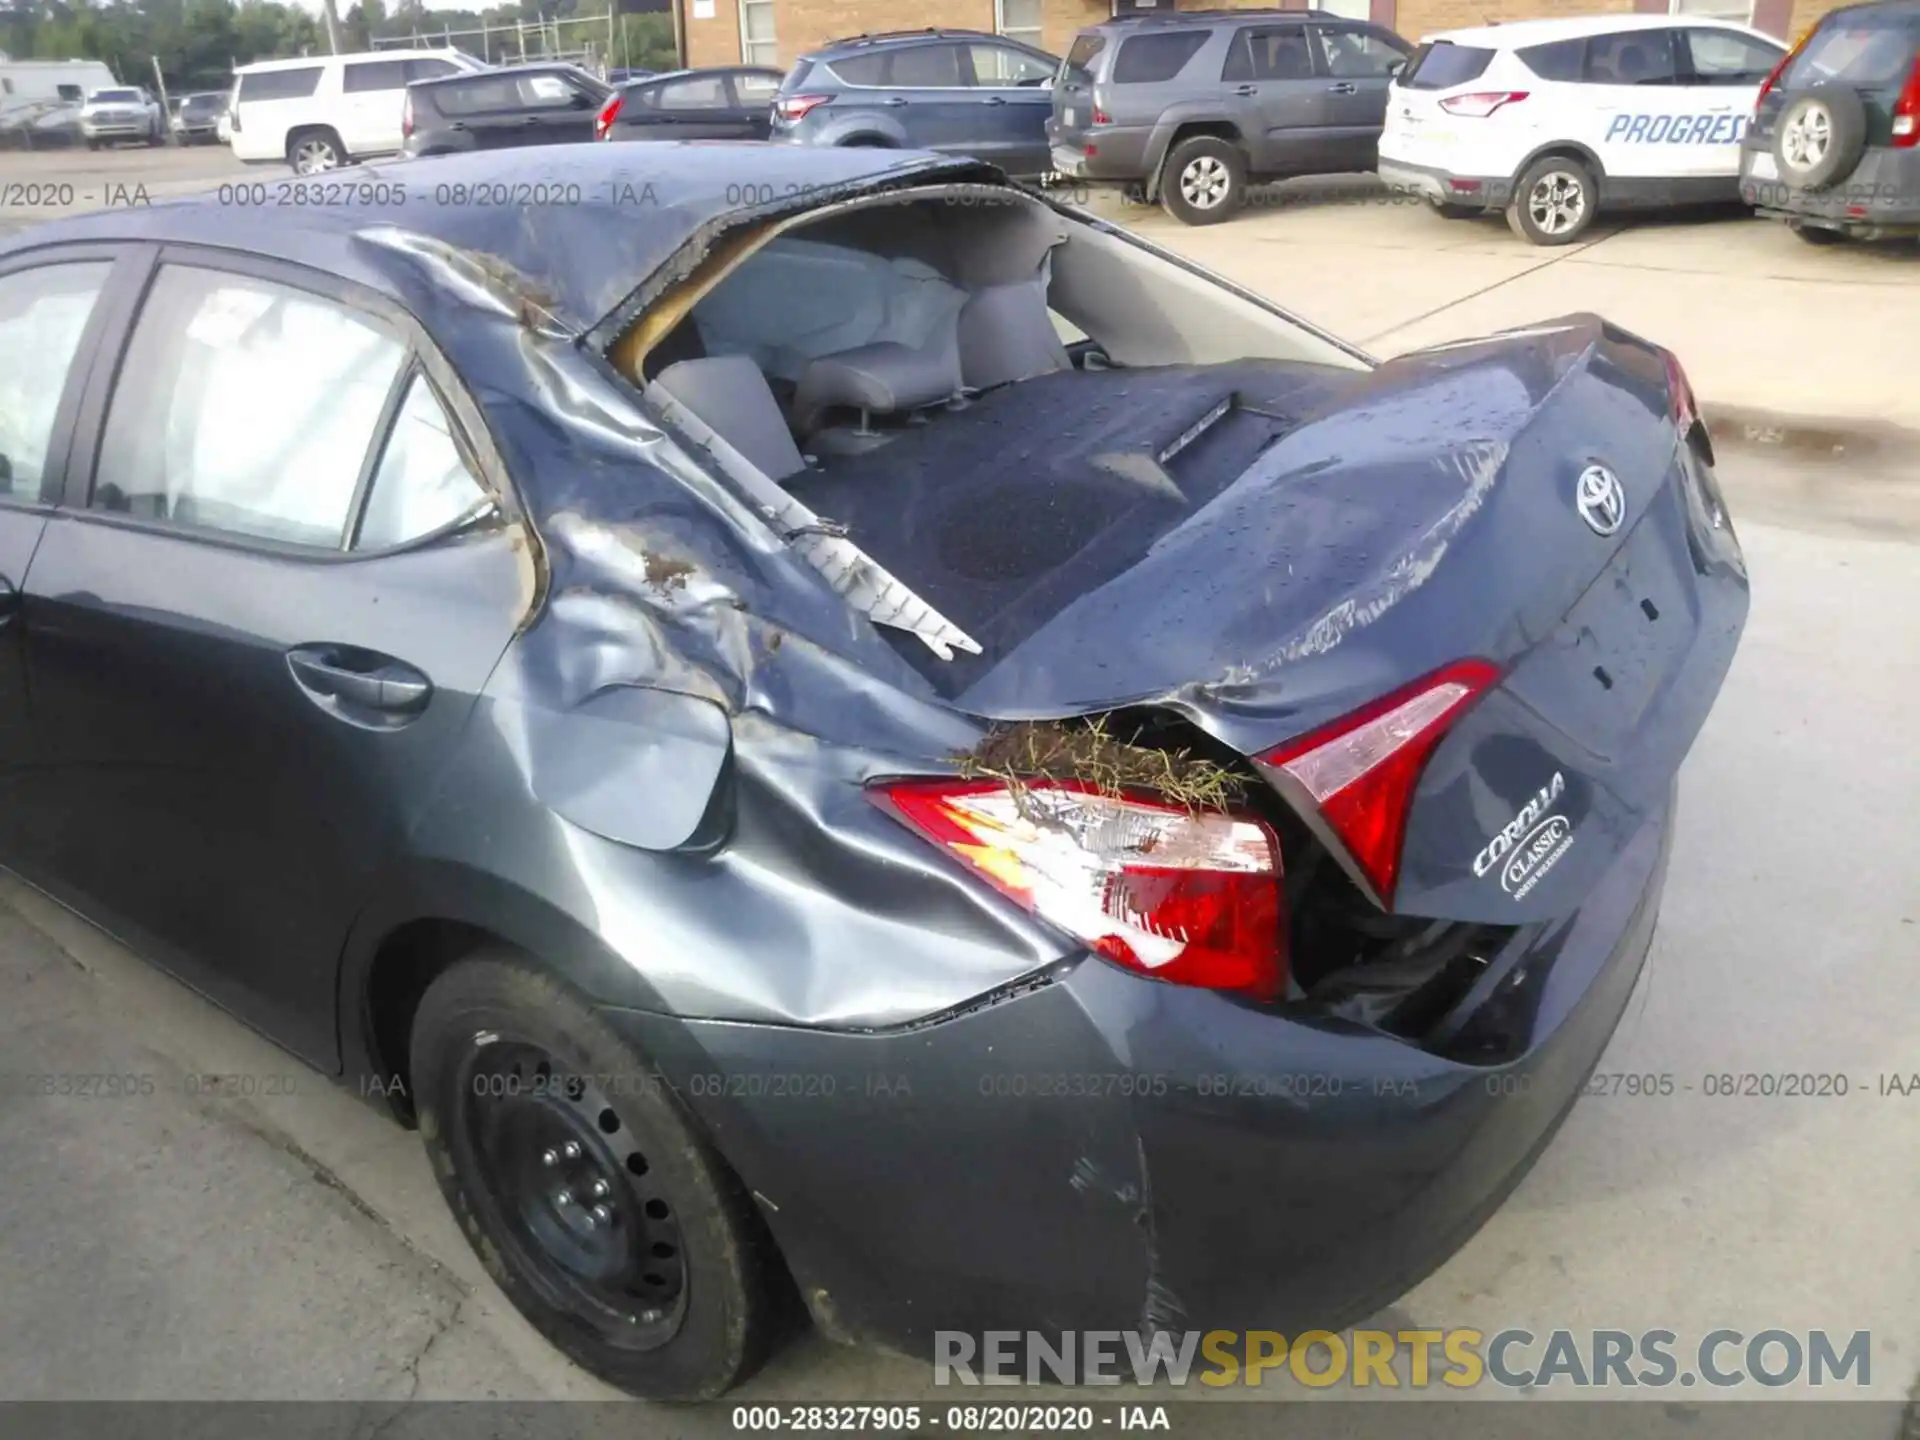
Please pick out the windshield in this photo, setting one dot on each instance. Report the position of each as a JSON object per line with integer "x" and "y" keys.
{"x": 1859, "y": 50}
{"x": 116, "y": 97}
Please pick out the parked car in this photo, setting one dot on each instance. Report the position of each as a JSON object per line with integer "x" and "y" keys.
{"x": 728, "y": 103}
{"x": 628, "y": 77}
{"x": 126, "y": 112}
{"x": 614, "y": 742}
{"x": 1193, "y": 108}
{"x": 1556, "y": 121}
{"x": 325, "y": 111}
{"x": 1834, "y": 148}
{"x": 196, "y": 118}
{"x": 497, "y": 109}
{"x": 961, "y": 92}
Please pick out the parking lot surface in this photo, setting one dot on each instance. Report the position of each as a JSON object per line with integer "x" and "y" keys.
{"x": 245, "y": 1208}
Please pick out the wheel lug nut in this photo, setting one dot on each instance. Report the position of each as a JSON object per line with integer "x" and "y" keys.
{"x": 550, "y": 1157}
{"x": 600, "y": 1213}
{"x": 601, "y": 1188}
{"x": 563, "y": 1199}
{"x": 571, "y": 1149}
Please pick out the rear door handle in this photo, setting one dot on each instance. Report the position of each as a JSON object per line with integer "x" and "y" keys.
{"x": 1244, "y": 90}
{"x": 894, "y": 100}
{"x": 361, "y": 687}
{"x": 1345, "y": 87}
{"x": 994, "y": 100}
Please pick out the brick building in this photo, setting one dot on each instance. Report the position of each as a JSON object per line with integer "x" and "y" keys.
{"x": 775, "y": 32}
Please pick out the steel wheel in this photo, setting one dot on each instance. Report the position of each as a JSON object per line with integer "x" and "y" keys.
{"x": 1204, "y": 183}
{"x": 576, "y": 1194}
{"x": 1557, "y": 203}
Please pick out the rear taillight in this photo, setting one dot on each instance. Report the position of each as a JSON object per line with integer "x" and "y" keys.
{"x": 609, "y": 112}
{"x": 794, "y": 108}
{"x": 1189, "y": 897}
{"x": 1680, "y": 401}
{"x": 1906, "y": 111}
{"x": 1773, "y": 77}
{"x": 1360, "y": 771}
{"x": 1481, "y": 104}
{"x": 406, "y": 118}
{"x": 1101, "y": 117}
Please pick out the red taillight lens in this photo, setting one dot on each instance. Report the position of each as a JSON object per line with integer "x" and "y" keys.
{"x": 1681, "y": 404}
{"x": 1191, "y": 898}
{"x": 1906, "y": 111}
{"x": 1773, "y": 77}
{"x": 1101, "y": 117}
{"x": 1360, "y": 772}
{"x": 1481, "y": 104}
{"x": 406, "y": 118}
{"x": 794, "y": 108}
{"x": 609, "y": 112}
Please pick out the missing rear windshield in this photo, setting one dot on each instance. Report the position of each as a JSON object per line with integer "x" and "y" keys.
{"x": 1441, "y": 65}
{"x": 1862, "y": 50}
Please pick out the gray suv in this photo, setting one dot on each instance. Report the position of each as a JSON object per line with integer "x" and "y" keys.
{"x": 1195, "y": 106}
{"x": 963, "y": 92}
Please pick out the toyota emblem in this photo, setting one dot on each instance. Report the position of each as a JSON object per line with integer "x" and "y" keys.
{"x": 1601, "y": 501}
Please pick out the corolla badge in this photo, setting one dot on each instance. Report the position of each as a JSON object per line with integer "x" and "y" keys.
{"x": 1600, "y": 500}
{"x": 1524, "y": 823}
{"x": 1538, "y": 853}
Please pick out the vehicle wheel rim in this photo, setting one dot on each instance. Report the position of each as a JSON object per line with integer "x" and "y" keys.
{"x": 1804, "y": 143}
{"x": 314, "y": 155}
{"x": 582, "y": 1206}
{"x": 1557, "y": 202}
{"x": 1205, "y": 182}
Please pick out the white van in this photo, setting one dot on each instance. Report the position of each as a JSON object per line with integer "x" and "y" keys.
{"x": 324, "y": 111}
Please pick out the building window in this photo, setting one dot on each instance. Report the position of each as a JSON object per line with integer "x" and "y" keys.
{"x": 1018, "y": 20}
{"x": 757, "y": 45}
{"x": 1738, "y": 11}
{"x": 1347, "y": 9}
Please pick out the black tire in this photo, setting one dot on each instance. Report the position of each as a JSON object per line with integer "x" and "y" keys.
{"x": 93, "y": 144}
{"x": 1555, "y": 201}
{"x": 672, "y": 1295}
{"x": 1455, "y": 212}
{"x": 1816, "y": 234}
{"x": 1204, "y": 180}
{"x": 1820, "y": 135}
{"x": 308, "y": 151}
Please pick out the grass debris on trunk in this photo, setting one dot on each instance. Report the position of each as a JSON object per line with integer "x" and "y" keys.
{"x": 1033, "y": 751}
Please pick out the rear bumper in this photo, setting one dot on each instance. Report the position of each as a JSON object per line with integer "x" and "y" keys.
{"x": 1116, "y": 155}
{"x": 1443, "y": 187}
{"x": 1882, "y": 194}
{"x": 1107, "y": 1152}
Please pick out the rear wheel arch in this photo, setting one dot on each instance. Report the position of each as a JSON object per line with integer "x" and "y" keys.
{"x": 1561, "y": 150}
{"x": 866, "y": 140}
{"x": 1176, "y": 131}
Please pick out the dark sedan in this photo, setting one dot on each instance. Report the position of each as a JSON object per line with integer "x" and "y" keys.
{"x": 501, "y": 109}
{"x": 720, "y": 104}
{"x": 589, "y": 674}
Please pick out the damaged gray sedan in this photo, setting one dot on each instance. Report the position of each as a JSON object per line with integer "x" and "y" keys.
{"x": 847, "y": 741}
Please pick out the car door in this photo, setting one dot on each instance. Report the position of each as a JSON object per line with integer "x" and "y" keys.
{"x": 372, "y": 95}
{"x": 1359, "y": 63}
{"x": 557, "y": 109}
{"x": 51, "y": 316}
{"x": 1280, "y": 101}
{"x": 1628, "y": 106}
{"x": 255, "y": 646}
{"x": 1724, "y": 70}
{"x": 1013, "y": 89}
{"x": 487, "y": 109}
{"x": 694, "y": 107}
{"x": 753, "y": 92}
{"x": 926, "y": 91}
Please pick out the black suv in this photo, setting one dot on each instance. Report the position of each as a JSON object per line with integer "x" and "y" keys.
{"x": 1197, "y": 105}
{"x": 1834, "y": 147}
{"x": 500, "y": 109}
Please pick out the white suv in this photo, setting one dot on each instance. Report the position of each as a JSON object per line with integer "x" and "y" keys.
{"x": 1554, "y": 120}
{"x": 330, "y": 110}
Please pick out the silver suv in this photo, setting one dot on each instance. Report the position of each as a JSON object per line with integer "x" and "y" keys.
{"x": 1195, "y": 106}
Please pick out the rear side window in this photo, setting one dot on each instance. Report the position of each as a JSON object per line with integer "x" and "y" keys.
{"x": 700, "y": 92}
{"x": 1632, "y": 57}
{"x": 754, "y": 88}
{"x": 430, "y": 69}
{"x": 294, "y": 83}
{"x": 1442, "y": 65}
{"x": 477, "y": 96}
{"x": 862, "y": 69}
{"x": 422, "y": 483}
{"x": 1149, "y": 59}
{"x": 935, "y": 67}
{"x": 1857, "y": 50}
{"x": 1269, "y": 55}
{"x": 1358, "y": 54}
{"x": 1726, "y": 57}
{"x": 374, "y": 75}
{"x": 245, "y": 407}
{"x": 43, "y": 313}
{"x": 1086, "y": 48}
{"x": 1562, "y": 60}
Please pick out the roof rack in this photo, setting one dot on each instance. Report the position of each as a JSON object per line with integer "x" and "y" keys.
{"x": 1264, "y": 12}
{"x": 938, "y": 31}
